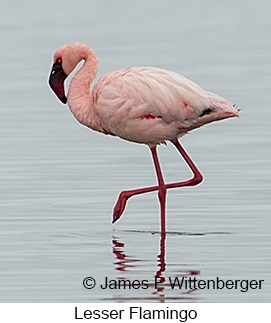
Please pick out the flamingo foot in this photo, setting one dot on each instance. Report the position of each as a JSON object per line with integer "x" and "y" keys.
{"x": 123, "y": 198}
{"x": 120, "y": 206}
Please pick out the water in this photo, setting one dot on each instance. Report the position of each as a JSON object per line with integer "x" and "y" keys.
{"x": 59, "y": 180}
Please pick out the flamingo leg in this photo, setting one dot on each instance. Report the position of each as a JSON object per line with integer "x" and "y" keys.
{"x": 196, "y": 179}
{"x": 161, "y": 189}
{"x": 125, "y": 195}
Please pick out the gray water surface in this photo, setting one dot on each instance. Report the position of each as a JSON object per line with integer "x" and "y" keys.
{"x": 59, "y": 181}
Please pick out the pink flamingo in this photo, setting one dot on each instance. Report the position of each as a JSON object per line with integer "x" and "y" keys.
{"x": 146, "y": 105}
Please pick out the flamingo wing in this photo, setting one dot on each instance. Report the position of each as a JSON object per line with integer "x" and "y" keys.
{"x": 162, "y": 92}
{"x": 171, "y": 103}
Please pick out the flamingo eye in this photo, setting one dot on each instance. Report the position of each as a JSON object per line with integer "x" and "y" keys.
{"x": 59, "y": 60}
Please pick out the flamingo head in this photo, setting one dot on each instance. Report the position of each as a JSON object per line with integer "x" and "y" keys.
{"x": 65, "y": 60}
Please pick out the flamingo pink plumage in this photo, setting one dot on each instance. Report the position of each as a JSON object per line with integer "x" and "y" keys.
{"x": 146, "y": 105}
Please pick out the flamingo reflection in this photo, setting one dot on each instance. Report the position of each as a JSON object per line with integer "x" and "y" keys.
{"x": 158, "y": 284}
{"x": 123, "y": 262}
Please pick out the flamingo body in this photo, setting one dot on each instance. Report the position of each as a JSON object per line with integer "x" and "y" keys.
{"x": 150, "y": 105}
{"x": 140, "y": 104}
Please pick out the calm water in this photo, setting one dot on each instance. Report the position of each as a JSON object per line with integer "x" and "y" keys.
{"x": 59, "y": 181}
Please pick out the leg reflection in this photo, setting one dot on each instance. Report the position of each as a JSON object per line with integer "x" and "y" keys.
{"x": 123, "y": 262}
{"x": 159, "y": 284}
{"x": 159, "y": 278}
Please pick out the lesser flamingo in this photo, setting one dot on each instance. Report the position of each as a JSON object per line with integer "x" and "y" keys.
{"x": 145, "y": 105}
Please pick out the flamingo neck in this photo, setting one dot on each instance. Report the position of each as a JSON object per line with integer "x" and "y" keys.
{"x": 79, "y": 93}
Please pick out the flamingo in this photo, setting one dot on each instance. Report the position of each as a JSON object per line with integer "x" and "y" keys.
{"x": 146, "y": 105}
